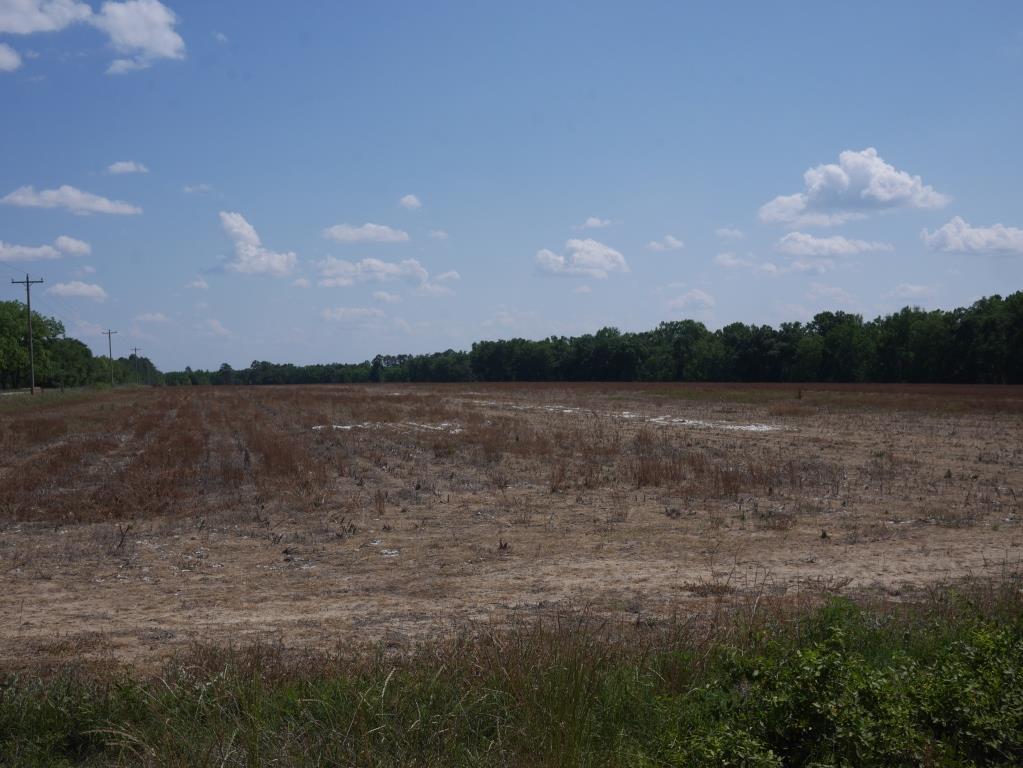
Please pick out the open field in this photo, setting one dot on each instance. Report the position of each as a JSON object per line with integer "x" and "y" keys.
{"x": 137, "y": 522}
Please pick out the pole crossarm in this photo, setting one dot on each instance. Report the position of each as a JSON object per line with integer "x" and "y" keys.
{"x": 110, "y": 353}
{"x": 28, "y": 283}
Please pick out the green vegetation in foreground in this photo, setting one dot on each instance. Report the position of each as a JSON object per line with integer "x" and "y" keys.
{"x": 841, "y": 685}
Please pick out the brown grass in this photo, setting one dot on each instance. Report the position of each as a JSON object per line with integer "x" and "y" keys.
{"x": 438, "y": 505}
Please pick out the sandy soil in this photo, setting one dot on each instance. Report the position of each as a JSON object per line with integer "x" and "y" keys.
{"x": 135, "y": 523}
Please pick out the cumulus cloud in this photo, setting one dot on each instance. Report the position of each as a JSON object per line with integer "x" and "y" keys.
{"x": 667, "y": 243}
{"x": 198, "y": 284}
{"x": 196, "y": 189}
{"x": 339, "y": 272}
{"x": 11, "y": 252}
{"x": 693, "y": 298}
{"x": 802, "y": 244}
{"x": 386, "y": 298}
{"x": 75, "y": 200}
{"x": 73, "y": 246}
{"x": 910, "y": 291}
{"x": 250, "y": 257}
{"x": 438, "y": 234}
{"x": 831, "y": 293}
{"x": 142, "y": 30}
{"x": 126, "y": 166}
{"x": 302, "y": 282}
{"x": 216, "y": 328}
{"x": 9, "y": 58}
{"x": 729, "y": 260}
{"x": 352, "y": 315}
{"x": 584, "y": 258}
{"x": 728, "y": 233}
{"x": 62, "y": 245}
{"x": 24, "y": 17}
{"x": 411, "y": 202}
{"x": 859, "y": 184}
{"x": 367, "y": 233}
{"x": 152, "y": 317}
{"x": 593, "y": 222}
{"x": 582, "y": 289}
{"x": 78, "y": 289}
{"x": 957, "y": 236}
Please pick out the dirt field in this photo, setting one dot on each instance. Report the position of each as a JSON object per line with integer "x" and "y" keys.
{"x": 133, "y": 523}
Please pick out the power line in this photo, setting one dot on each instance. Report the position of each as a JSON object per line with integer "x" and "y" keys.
{"x": 110, "y": 349}
{"x": 28, "y": 312}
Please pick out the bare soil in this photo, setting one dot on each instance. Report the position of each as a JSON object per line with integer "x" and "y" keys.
{"x": 134, "y": 523}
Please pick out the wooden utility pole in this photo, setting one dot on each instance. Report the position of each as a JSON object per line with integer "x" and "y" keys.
{"x": 110, "y": 353}
{"x": 135, "y": 353}
{"x": 31, "y": 350}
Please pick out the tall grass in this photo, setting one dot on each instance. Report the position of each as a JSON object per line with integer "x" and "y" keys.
{"x": 940, "y": 684}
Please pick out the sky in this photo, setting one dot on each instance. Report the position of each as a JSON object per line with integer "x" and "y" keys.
{"x": 323, "y": 181}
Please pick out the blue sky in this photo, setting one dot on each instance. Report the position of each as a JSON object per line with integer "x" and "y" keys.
{"x": 323, "y": 181}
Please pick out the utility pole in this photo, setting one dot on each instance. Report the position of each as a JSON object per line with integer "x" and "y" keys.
{"x": 31, "y": 351}
{"x": 135, "y": 352}
{"x": 110, "y": 353}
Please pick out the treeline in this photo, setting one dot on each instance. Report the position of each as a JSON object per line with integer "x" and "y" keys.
{"x": 59, "y": 361}
{"x": 980, "y": 344}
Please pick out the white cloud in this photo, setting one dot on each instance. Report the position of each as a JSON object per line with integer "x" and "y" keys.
{"x": 302, "y": 282}
{"x": 11, "y": 252}
{"x": 152, "y": 317}
{"x": 142, "y": 30}
{"x": 585, "y": 258}
{"x": 367, "y": 233}
{"x": 433, "y": 289}
{"x": 802, "y": 244}
{"x": 582, "y": 289}
{"x": 352, "y": 315}
{"x": 196, "y": 189}
{"x": 445, "y": 277}
{"x": 729, "y": 260}
{"x": 78, "y": 289}
{"x": 70, "y": 245}
{"x": 411, "y": 202}
{"x": 75, "y": 200}
{"x": 126, "y": 166}
{"x": 831, "y": 293}
{"x": 23, "y": 17}
{"x": 338, "y": 272}
{"x": 861, "y": 183}
{"x": 216, "y": 328}
{"x": 198, "y": 284}
{"x": 693, "y": 298}
{"x": 9, "y": 58}
{"x": 957, "y": 236}
{"x": 386, "y": 298}
{"x": 438, "y": 234}
{"x": 61, "y": 246}
{"x": 910, "y": 291}
{"x": 593, "y": 222}
{"x": 728, "y": 233}
{"x": 250, "y": 257}
{"x": 221, "y": 38}
{"x": 667, "y": 243}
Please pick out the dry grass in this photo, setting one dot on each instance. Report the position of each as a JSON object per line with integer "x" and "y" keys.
{"x": 397, "y": 512}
